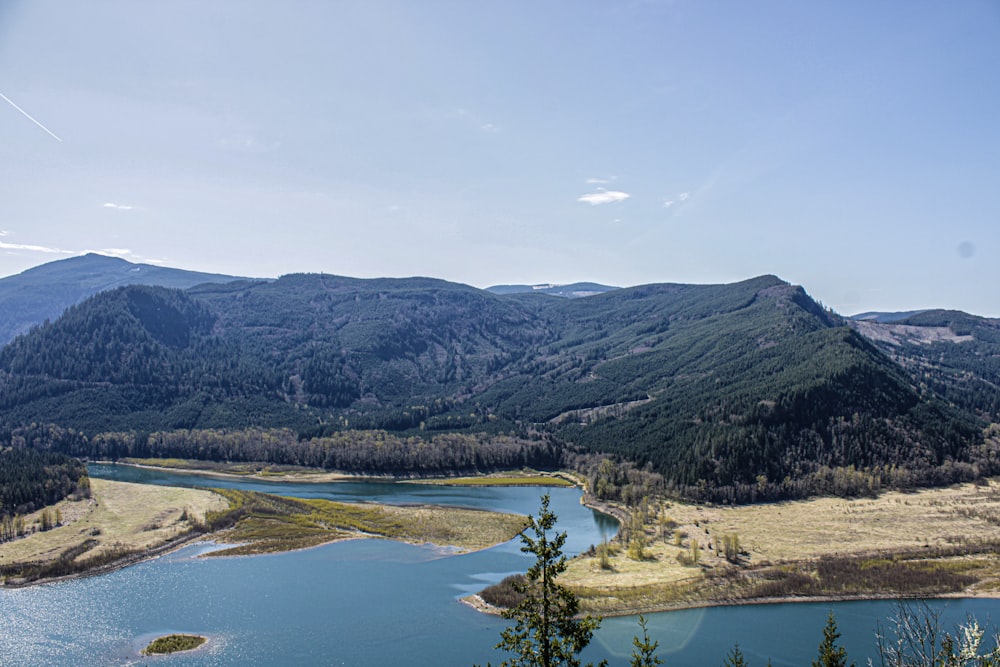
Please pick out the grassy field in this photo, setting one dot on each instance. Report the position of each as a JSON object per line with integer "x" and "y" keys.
{"x": 271, "y": 523}
{"x": 530, "y": 478}
{"x": 119, "y": 517}
{"x": 931, "y": 542}
{"x": 301, "y": 474}
{"x": 265, "y": 470}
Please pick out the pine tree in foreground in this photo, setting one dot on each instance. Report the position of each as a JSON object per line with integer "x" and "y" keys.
{"x": 546, "y": 632}
{"x": 831, "y": 655}
{"x": 644, "y": 653}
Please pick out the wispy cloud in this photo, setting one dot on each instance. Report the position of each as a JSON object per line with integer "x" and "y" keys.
{"x": 598, "y": 181}
{"x": 34, "y": 248}
{"x": 124, "y": 253}
{"x": 118, "y": 207}
{"x": 680, "y": 199}
{"x": 603, "y": 196}
{"x": 474, "y": 120}
{"x": 248, "y": 144}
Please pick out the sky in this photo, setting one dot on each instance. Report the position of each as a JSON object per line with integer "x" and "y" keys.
{"x": 846, "y": 146}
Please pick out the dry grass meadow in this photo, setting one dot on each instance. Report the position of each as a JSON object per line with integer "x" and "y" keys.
{"x": 951, "y": 533}
{"x": 119, "y": 515}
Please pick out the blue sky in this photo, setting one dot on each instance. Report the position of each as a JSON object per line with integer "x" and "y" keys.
{"x": 850, "y": 147}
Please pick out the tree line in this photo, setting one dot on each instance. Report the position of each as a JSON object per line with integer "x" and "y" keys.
{"x": 31, "y": 479}
{"x": 374, "y": 452}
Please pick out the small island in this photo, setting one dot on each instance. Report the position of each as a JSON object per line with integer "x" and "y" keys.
{"x": 174, "y": 644}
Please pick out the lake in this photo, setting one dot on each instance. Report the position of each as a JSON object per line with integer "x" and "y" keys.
{"x": 377, "y": 602}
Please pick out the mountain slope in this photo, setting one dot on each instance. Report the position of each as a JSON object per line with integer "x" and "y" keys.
{"x": 725, "y": 389}
{"x": 953, "y": 354}
{"x": 44, "y": 292}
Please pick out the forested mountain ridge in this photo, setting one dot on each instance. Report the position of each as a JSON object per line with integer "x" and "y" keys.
{"x": 44, "y": 292}
{"x": 951, "y": 353}
{"x": 730, "y": 391}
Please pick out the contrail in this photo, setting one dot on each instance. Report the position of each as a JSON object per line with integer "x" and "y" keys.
{"x": 28, "y": 116}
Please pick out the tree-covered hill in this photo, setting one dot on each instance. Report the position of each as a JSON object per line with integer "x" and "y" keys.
{"x": 727, "y": 390}
{"x": 44, "y": 292}
{"x": 950, "y": 353}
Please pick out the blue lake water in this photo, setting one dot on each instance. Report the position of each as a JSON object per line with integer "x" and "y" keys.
{"x": 376, "y": 602}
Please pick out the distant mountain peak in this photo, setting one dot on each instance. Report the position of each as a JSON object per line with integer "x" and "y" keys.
{"x": 44, "y": 292}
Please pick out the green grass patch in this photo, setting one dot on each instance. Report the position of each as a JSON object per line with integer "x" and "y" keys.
{"x": 238, "y": 468}
{"x": 173, "y": 644}
{"x": 263, "y": 523}
{"x": 504, "y": 480}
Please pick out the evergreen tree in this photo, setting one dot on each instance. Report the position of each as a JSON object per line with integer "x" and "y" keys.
{"x": 546, "y": 632}
{"x": 831, "y": 655}
{"x": 735, "y": 658}
{"x": 644, "y": 653}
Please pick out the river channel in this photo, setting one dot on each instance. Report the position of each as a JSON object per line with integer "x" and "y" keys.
{"x": 377, "y": 602}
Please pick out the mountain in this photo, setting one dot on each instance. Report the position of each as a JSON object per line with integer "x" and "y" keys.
{"x": 876, "y": 316}
{"x": 44, "y": 292}
{"x": 953, "y": 354}
{"x": 572, "y": 291}
{"x": 731, "y": 392}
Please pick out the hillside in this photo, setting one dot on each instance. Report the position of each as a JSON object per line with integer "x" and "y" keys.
{"x": 953, "y": 354}
{"x": 44, "y": 292}
{"x": 730, "y": 391}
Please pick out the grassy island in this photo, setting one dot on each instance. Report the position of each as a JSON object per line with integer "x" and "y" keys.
{"x": 262, "y": 523}
{"x": 173, "y": 644}
{"x": 526, "y": 478}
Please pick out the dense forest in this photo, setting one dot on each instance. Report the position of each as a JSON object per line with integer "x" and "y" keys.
{"x": 371, "y": 451}
{"x": 723, "y": 392}
{"x": 31, "y": 479}
{"x": 952, "y": 354}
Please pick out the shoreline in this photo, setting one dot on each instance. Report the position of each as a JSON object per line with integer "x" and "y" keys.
{"x": 204, "y": 645}
{"x": 474, "y": 600}
{"x": 134, "y": 558}
{"x": 328, "y": 477}
{"x": 482, "y": 606}
{"x": 151, "y": 553}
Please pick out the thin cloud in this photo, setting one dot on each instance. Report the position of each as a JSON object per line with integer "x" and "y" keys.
{"x": 34, "y": 248}
{"x": 118, "y": 207}
{"x": 123, "y": 253}
{"x": 603, "y": 196}
{"x": 248, "y": 144}
{"x": 471, "y": 119}
{"x": 680, "y": 199}
{"x": 598, "y": 181}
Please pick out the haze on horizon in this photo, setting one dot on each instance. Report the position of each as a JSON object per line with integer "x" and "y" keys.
{"x": 851, "y": 148}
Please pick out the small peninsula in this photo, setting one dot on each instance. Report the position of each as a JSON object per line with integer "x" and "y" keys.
{"x": 123, "y": 523}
